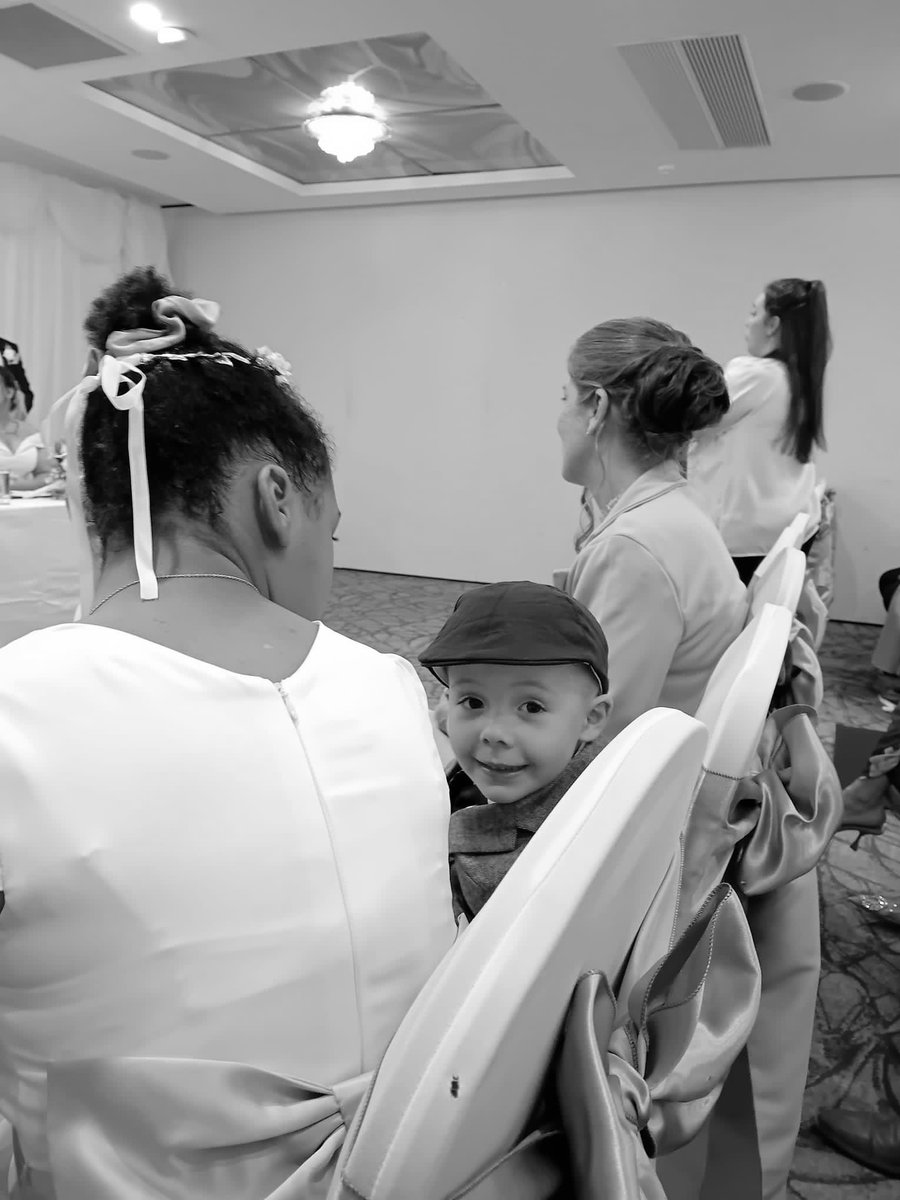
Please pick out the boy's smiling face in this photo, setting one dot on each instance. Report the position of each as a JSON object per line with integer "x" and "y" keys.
{"x": 513, "y": 728}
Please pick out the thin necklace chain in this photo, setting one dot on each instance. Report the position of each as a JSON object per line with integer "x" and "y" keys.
{"x": 196, "y": 575}
{"x": 607, "y": 508}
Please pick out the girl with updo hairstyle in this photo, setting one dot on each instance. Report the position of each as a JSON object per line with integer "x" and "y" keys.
{"x": 223, "y": 845}
{"x": 650, "y": 564}
{"x": 754, "y": 471}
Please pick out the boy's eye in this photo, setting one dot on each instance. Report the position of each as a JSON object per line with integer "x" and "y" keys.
{"x": 533, "y": 708}
{"x": 472, "y": 703}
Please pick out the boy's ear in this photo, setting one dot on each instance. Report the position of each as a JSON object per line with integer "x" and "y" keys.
{"x": 597, "y": 716}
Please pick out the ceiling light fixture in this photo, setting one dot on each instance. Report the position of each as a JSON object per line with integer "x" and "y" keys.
{"x": 169, "y": 35}
{"x": 346, "y": 122}
{"x": 147, "y": 16}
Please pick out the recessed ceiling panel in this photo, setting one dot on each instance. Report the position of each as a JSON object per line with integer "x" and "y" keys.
{"x": 292, "y": 153}
{"x": 441, "y": 120}
{"x": 38, "y": 39}
{"x": 408, "y": 73}
{"x": 214, "y": 98}
{"x": 449, "y": 142}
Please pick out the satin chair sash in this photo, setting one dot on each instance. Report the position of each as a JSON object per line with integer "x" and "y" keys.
{"x": 774, "y": 825}
{"x": 634, "y": 1087}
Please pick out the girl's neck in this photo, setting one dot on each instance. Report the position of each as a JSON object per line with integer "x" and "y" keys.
{"x": 173, "y": 555}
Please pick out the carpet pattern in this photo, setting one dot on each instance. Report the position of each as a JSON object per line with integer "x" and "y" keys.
{"x": 859, "y": 994}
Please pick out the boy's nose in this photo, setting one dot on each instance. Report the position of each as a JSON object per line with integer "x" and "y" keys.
{"x": 494, "y": 731}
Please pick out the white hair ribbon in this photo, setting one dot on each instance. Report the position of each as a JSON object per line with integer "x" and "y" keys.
{"x": 121, "y": 367}
{"x": 113, "y": 373}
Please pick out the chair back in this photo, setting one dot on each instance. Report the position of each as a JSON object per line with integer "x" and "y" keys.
{"x": 794, "y": 535}
{"x": 737, "y": 698}
{"x": 461, "y": 1077}
{"x": 781, "y": 583}
{"x": 734, "y": 709}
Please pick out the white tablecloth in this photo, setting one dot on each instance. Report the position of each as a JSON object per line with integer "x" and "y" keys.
{"x": 38, "y": 567}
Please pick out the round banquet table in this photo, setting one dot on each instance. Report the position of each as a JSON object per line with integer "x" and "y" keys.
{"x": 38, "y": 567}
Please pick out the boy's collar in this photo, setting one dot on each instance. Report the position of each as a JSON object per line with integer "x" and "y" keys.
{"x": 493, "y": 828}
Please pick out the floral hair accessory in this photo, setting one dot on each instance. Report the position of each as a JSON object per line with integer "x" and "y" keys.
{"x": 276, "y": 362}
{"x": 10, "y": 356}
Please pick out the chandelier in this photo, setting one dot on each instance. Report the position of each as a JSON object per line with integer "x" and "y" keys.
{"x": 346, "y": 122}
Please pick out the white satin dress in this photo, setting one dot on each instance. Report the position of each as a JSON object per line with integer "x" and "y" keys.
{"x": 221, "y": 896}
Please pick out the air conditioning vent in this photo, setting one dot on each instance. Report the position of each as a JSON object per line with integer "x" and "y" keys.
{"x": 703, "y": 90}
{"x": 36, "y": 38}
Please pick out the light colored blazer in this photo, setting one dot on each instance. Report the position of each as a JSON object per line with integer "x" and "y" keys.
{"x": 658, "y": 578}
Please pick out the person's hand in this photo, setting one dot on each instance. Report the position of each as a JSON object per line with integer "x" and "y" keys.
{"x": 885, "y": 762}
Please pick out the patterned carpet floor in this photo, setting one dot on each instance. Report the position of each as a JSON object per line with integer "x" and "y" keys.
{"x": 859, "y": 994}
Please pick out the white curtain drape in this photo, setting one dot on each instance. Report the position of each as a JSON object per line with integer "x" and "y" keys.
{"x": 60, "y": 245}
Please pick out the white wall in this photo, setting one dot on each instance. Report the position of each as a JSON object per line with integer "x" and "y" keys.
{"x": 433, "y": 340}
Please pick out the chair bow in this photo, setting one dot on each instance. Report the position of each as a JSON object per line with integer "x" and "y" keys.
{"x": 644, "y": 1085}
{"x": 774, "y": 824}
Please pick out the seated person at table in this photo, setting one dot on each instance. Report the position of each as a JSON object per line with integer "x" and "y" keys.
{"x": 21, "y": 445}
{"x": 11, "y": 359}
{"x": 526, "y": 668}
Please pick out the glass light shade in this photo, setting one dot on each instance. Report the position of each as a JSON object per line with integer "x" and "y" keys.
{"x": 346, "y": 122}
{"x": 346, "y": 136}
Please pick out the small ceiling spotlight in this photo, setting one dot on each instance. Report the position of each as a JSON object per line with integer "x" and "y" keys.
{"x": 820, "y": 91}
{"x": 169, "y": 35}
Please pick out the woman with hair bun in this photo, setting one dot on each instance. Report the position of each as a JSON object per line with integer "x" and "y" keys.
{"x": 754, "y": 471}
{"x": 651, "y": 565}
{"x": 223, "y": 840}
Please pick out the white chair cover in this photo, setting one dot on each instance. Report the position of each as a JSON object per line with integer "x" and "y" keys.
{"x": 737, "y": 697}
{"x": 781, "y": 582}
{"x": 794, "y": 535}
{"x": 458, "y": 1082}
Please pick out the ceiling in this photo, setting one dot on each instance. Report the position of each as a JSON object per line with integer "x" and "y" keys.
{"x": 577, "y": 95}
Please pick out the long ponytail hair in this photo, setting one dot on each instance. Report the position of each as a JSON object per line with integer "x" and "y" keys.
{"x": 804, "y": 347}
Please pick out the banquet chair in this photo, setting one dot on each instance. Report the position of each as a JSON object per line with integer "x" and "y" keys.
{"x": 734, "y": 708}
{"x": 793, "y": 536}
{"x": 781, "y": 583}
{"x": 766, "y": 807}
{"x": 461, "y": 1077}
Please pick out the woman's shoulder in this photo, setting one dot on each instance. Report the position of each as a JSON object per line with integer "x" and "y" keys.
{"x": 364, "y": 664}
{"x": 747, "y": 370}
{"x": 671, "y": 528}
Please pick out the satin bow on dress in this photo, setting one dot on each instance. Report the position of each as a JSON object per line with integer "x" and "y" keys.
{"x": 191, "y": 1129}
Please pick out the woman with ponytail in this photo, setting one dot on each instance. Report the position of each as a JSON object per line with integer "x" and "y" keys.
{"x": 650, "y": 564}
{"x": 754, "y": 471}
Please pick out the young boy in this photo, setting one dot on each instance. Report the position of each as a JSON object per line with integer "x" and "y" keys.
{"x": 526, "y": 668}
